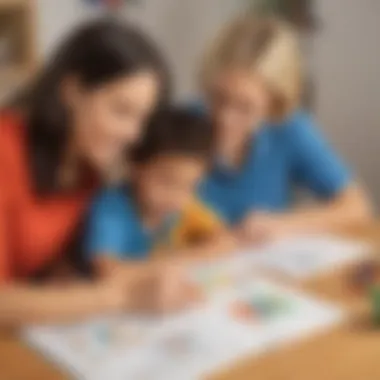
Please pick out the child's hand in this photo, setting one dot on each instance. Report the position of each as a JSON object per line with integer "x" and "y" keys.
{"x": 157, "y": 287}
{"x": 263, "y": 227}
{"x": 225, "y": 244}
{"x": 125, "y": 287}
{"x": 174, "y": 291}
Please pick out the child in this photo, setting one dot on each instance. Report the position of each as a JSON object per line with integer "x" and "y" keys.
{"x": 156, "y": 213}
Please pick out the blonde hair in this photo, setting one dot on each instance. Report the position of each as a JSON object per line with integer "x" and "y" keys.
{"x": 267, "y": 46}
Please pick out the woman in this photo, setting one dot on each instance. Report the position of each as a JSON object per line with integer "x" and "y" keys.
{"x": 266, "y": 145}
{"x": 89, "y": 104}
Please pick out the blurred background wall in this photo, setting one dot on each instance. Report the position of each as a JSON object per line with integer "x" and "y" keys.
{"x": 344, "y": 56}
{"x": 346, "y": 59}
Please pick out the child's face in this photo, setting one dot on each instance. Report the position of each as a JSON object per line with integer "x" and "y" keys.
{"x": 167, "y": 183}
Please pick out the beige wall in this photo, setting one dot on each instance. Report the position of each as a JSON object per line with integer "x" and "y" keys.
{"x": 182, "y": 28}
{"x": 346, "y": 56}
{"x": 54, "y": 19}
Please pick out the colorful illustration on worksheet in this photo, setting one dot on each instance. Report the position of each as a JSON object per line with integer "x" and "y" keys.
{"x": 261, "y": 307}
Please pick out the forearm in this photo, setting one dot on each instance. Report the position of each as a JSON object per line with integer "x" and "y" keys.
{"x": 21, "y": 305}
{"x": 349, "y": 210}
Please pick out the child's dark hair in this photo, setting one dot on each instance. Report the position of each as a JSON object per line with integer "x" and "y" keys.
{"x": 176, "y": 131}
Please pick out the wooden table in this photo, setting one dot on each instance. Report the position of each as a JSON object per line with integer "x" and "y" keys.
{"x": 348, "y": 352}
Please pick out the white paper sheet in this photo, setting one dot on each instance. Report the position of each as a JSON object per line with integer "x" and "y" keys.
{"x": 306, "y": 257}
{"x": 241, "y": 318}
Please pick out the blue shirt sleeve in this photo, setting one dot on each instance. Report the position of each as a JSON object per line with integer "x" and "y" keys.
{"x": 315, "y": 164}
{"x": 108, "y": 225}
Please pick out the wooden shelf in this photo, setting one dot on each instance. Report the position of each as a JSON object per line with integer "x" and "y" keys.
{"x": 17, "y": 26}
{"x": 12, "y": 80}
{"x": 13, "y": 4}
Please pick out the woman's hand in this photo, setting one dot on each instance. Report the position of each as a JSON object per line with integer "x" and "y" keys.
{"x": 349, "y": 210}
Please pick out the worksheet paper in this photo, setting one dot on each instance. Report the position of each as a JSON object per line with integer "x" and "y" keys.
{"x": 242, "y": 317}
{"x": 306, "y": 257}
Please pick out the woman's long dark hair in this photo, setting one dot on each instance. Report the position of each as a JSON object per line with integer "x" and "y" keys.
{"x": 96, "y": 53}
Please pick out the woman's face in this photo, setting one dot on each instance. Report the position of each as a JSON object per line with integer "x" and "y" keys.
{"x": 239, "y": 103}
{"x": 111, "y": 118}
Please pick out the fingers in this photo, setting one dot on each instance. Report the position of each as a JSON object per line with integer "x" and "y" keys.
{"x": 176, "y": 293}
{"x": 162, "y": 289}
{"x": 252, "y": 234}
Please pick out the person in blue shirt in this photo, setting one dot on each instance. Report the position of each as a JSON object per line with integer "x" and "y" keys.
{"x": 266, "y": 145}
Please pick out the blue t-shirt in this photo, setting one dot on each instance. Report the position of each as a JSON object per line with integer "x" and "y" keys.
{"x": 280, "y": 157}
{"x": 115, "y": 227}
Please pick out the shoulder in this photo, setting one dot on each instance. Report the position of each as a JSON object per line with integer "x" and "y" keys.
{"x": 110, "y": 222}
{"x": 298, "y": 129}
{"x": 12, "y": 147}
{"x": 112, "y": 202}
{"x": 298, "y": 125}
{"x": 10, "y": 121}
{"x": 298, "y": 122}
{"x": 12, "y": 133}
